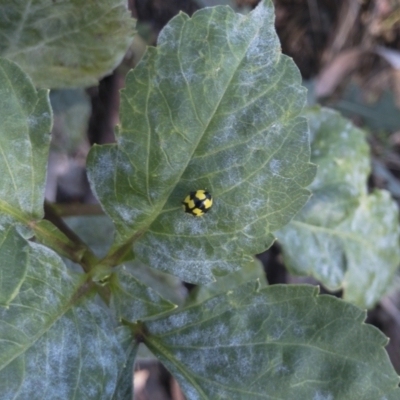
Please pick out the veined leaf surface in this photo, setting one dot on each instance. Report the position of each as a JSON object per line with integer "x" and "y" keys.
{"x": 215, "y": 106}
{"x": 53, "y": 344}
{"x": 281, "y": 342}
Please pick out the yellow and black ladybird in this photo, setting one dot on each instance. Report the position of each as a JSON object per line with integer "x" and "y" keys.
{"x": 197, "y": 203}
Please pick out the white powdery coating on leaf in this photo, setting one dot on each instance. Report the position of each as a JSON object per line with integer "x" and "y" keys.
{"x": 66, "y": 353}
{"x": 178, "y": 320}
{"x": 127, "y": 213}
{"x": 78, "y": 355}
{"x": 323, "y": 396}
{"x": 274, "y": 166}
{"x": 103, "y": 170}
{"x": 199, "y": 271}
{"x": 262, "y": 13}
{"x": 214, "y": 363}
{"x": 34, "y": 120}
{"x": 168, "y": 37}
{"x": 261, "y": 180}
{"x": 193, "y": 92}
{"x": 46, "y": 282}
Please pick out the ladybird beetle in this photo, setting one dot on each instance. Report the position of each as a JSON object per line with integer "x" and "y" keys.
{"x": 197, "y": 203}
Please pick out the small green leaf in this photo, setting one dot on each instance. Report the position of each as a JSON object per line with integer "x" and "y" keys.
{"x": 281, "y": 342}
{"x": 65, "y": 43}
{"x": 132, "y": 300}
{"x": 344, "y": 237}
{"x": 215, "y": 106}
{"x": 25, "y": 124}
{"x": 53, "y": 345}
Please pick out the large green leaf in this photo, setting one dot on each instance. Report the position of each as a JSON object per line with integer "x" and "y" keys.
{"x": 65, "y": 42}
{"x": 214, "y": 106}
{"x": 52, "y": 344}
{"x": 25, "y": 124}
{"x": 281, "y": 342}
{"x": 344, "y": 237}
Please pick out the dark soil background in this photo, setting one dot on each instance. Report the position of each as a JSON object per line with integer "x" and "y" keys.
{"x": 348, "y": 52}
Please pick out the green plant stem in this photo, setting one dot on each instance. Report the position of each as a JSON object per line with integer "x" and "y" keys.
{"x": 78, "y": 250}
{"x": 87, "y": 260}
